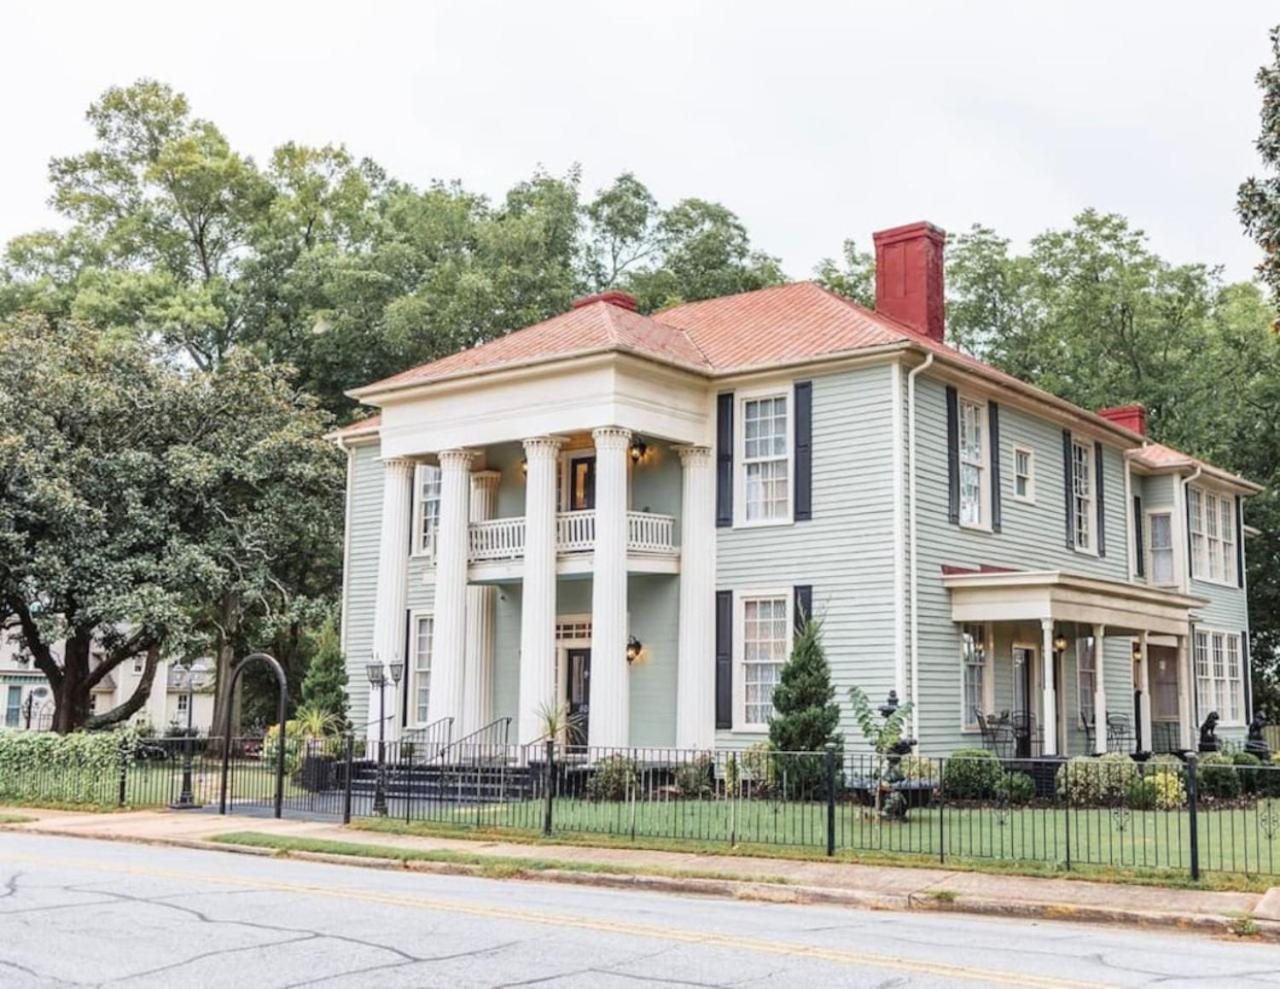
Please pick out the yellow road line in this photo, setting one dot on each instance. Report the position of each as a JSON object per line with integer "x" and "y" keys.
{"x": 987, "y": 976}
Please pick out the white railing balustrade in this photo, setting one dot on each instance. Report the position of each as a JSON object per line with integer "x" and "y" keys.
{"x": 497, "y": 539}
{"x": 576, "y": 532}
{"x": 503, "y": 539}
{"x": 648, "y": 533}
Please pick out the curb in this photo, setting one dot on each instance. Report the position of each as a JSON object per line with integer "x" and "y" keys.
{"x": 744, "y": 890}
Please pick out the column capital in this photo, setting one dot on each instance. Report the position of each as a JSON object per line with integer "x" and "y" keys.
{"x": 460, "y": 459}
{"x": 611, "y": 437}
{"x": 542, "y": 446}
{"x": 399, "y": 465}
{"x": 692, "y": 455}
{"x": 485, "y": 478}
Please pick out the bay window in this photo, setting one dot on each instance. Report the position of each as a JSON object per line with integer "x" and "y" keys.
{"x": 1213, "y": 543}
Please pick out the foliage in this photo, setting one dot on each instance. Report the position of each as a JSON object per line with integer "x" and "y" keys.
{"x": 1086, "y": 781}
{"x": 315, "y": 722}
{"x": 324, "y": 687}
{"x": 694, "y": 778}
{"x": 882, "y": 736}
{"x": 1156, "y": 786}
{"x": 1258, "y": 200}
{"x": 1016, "y": 789}
{"x": 971, "y": 774}
{"x": 855, "y": 278}
{"x": 75, "y": 768}
{"x": 613, "y": 778}
{"x": 1217, "y": 777}
{"x": 758, "y": 769}
{"x": 920, "y": 769}
{"x": 805, "y": 718}
{"x": 556, "y": 721}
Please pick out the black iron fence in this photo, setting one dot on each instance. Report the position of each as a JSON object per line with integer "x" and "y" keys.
{"x": 1218, "y": 813}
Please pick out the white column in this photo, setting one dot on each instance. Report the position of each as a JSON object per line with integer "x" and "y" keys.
{"x": 1144, "y": 685}
{"x": 477, "y": 691}
{"x": 609, "y": 721}
{"x": 1188, "y": 730}
{"x": 449, "y": 637}
{"x": 695, "y": 670}
{"x": 1099, "y": 690}
{"x": 1050, "y": 707}
{"x": 393, "y": 585}
{"x": 538, "y": 599}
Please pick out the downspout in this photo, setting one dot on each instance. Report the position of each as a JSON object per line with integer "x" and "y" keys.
{"x": 911, "y": 530}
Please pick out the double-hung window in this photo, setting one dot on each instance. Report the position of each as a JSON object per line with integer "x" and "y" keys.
{"x": 1213, "y": 526}
{"x": 1160, "y": 548}
{"x": 1082, "y": 495}
{"x": 1219, "y": 675}
{"x": 976, "y": 675}
{"x": 1024, "y": 481}
{"x": 1087, "y": 679}
{"x": 973, "y": 462}
{"x": 766, "y": 640}
{"x": 184, "y": 701}
{"x": 420, "y": 688}
{"x": 426, "y": 507}
{"x": 766, "y": 459}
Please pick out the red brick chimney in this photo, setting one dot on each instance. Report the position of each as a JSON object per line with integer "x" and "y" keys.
{"x": 909, "y": 276}
{"x": 1133, "y": 417}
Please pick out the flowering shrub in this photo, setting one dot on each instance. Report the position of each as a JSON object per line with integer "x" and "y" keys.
{"x": 1158, "y": 787}
{"x": 1086, "y": 782}
{"x": 79, "y": 768}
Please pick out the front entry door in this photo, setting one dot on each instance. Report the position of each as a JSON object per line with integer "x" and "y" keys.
{"x": 1163, "y": 673}
{"x": 1024, "y": 660}
{"x": 582, "y": 484}
{"x": 579, "y": 692}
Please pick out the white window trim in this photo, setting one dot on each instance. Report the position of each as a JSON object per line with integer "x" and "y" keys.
{"x": 419, "y": 548}
{"x": 1229, "y": 576}
{"x": 1149, "y": 555}
{"x": 1030, "y": 497}
{"x": 1081, "y": 693}
{"x": 740, "y": 598}
{"x": 411, "y": 666}
{"x": 967, "y": 726}
{"x": 984, "y": 481}
{"x": 784, "y": 390}
{"x": 1225, "y": 720}
{"x": 1091, "y": 549}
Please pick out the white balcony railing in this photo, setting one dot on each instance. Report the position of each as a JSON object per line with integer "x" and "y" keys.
{"x": 503, "y": 539}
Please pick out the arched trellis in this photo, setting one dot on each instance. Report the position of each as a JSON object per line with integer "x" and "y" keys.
{"x": 281, "y": 741}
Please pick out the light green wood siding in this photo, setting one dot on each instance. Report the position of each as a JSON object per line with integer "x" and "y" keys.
{"x": 364, "y": 523}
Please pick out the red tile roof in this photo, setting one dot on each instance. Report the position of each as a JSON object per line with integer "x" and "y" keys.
{"x": 1158, "y": 457}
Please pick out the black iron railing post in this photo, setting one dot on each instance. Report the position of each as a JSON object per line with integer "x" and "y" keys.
{"x": 831, "y": 799}
{"x": 1193, "y": 822}
{"x": 942, "y": 814}
{"x": 1066, "y": 809}
{"x": 549, "y": 787}
{"x": 123, "y": 757}
{"x": 346, "y": 783}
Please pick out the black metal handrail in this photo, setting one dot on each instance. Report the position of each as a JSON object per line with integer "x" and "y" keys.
{"x": 481, "y": 743}
{"x": 432, "y": 738}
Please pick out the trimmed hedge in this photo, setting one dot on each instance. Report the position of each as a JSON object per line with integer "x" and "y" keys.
{"x": 972, "y": 774}
{"x": 78, "y": 768}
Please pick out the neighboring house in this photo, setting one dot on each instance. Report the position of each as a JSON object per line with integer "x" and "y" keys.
{"x": 28, "y": 702}
{"x": 628, "y": 514}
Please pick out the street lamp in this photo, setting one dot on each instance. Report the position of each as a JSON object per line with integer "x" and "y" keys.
{"x": 186, "y": 799}
{"x": 377, "y": 674}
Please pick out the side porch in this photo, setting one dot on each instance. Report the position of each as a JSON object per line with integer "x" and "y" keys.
{"x": 1056, "y": 665}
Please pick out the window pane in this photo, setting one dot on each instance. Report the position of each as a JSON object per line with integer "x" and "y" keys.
{"x": 422, "y": 667}
{"x": 765, "y": 644}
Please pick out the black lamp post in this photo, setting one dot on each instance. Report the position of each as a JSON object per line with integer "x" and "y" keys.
{"x": 186, "y": 799}
{"x": 378, "y": 678}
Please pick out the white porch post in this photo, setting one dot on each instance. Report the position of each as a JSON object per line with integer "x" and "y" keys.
{"x": 450, "y": 612}
{"x": 1050, "y": 708}
{"x": 1186, "y": 683}
{"x": 393, "y": 579}
{"x": 1099, "y": 690}
{"x": 1144, "y": 685}
{"x": 477, "y": 690}
{"x": 609, "y": 724}
{"x": 695, "y": 670}
{"x": 538, "y": 601}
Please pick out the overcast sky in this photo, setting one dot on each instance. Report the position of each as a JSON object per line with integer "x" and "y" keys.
{"x": 814, "y": 122}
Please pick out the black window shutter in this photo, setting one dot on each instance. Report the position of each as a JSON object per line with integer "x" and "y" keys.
{"x": 803, "y": 609}
{"x": 1067, "y": 476}
{"x": 1239, "y": 542}
{"x": 724, "y": 659}
{"x": 1139, "y": 539}
{"x": 993, "y": 416}
{"x": 1246, "y": 674}
{"x": 953, "y": 455}
{"x": 1102, "y": 504}
{"x": 804, "y": 451}
{"x": 724, "y": 459}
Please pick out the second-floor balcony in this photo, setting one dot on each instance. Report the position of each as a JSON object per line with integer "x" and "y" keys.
{"x": 496, "y": 547}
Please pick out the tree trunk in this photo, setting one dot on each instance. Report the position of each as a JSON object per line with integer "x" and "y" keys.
{"x": 123, "y": 712}
{"x": 71, "y": 697}
{"x": 223, "y": 701}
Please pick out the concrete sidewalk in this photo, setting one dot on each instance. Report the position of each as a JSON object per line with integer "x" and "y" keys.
{"x": 866, "y": 886}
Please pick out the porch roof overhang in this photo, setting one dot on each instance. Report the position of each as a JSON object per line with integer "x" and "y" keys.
{"x": 1034, "y": 595}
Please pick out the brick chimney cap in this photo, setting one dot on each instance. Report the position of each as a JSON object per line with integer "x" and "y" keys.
{"x": 623, "y": 300}
{"x": 1132, "y": 417}
{"x": 909, "y": 231}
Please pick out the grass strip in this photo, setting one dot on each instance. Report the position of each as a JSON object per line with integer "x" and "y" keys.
{"x": 496, "y": 866}
{"x": 16, "y": 819}
{"x": 1209, "y": 882}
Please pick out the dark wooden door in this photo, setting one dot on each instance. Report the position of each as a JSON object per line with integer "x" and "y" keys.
{"x": 582, "y": 484}
{"x": 579, "y": 694}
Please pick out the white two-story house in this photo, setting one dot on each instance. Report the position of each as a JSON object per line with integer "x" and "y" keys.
{"x": 629, "y": 514}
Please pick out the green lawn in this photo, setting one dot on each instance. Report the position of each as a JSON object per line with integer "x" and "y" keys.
{"x": 1243, "y": 840}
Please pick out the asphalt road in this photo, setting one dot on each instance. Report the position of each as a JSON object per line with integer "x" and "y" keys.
{"x": 76, "y": 912}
